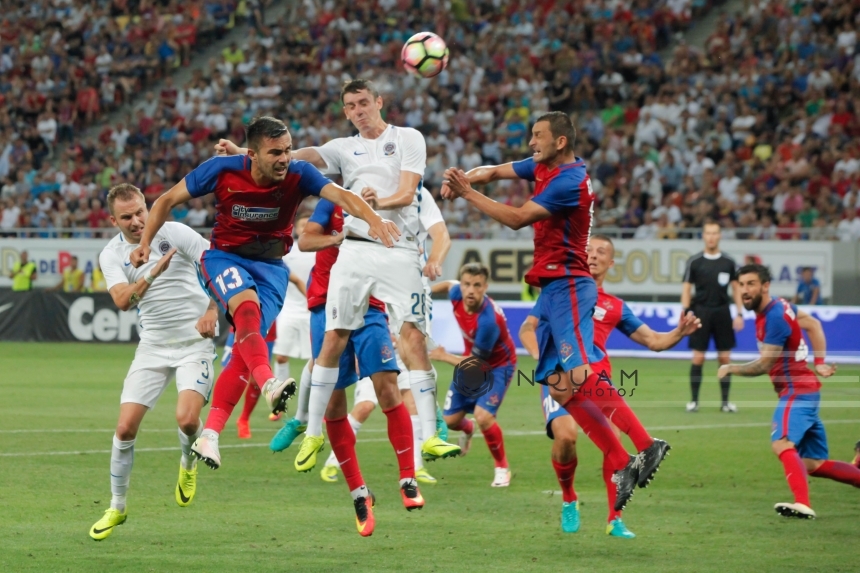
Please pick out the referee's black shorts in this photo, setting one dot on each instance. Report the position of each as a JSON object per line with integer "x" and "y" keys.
{"x": 716, "y": 322}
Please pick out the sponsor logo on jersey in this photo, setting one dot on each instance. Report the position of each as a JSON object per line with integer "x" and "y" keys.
{"x": 389, "y": 148}
{"x": 244, "y": 213}
{"x": 599, "y": 313}
{"x": 163, "y": 247}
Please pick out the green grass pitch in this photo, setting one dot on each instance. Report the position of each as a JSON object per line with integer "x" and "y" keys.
{"x": 709, "y": 509}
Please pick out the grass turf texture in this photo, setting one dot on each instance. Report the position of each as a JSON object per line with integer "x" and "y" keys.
{"x": 710, "y": 508}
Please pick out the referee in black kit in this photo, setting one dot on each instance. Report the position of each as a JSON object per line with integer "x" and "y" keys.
{"x": 712, "y": 272}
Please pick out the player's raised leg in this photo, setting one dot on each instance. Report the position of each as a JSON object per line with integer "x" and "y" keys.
{"x": 365, "y": 403}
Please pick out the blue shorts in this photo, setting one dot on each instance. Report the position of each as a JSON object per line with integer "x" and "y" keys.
{"x": 224, "y": 275}
{"x": 455, "y": 401}
{"x": 551, "y": 410}
{"x": 371, "y": 344}
{"x": 796, "y": 418}
{"x": 565, "y": 330}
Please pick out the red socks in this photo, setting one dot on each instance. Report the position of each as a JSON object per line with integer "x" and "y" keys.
{"x": 252, "y": 395}
{"x": 617, "y": 411}
{"x": 838, "y": 471}
{"x": 251, "y": 343}
{"x": 464, "y": 425}
{"x": 565, "y": 479}
{"x": 795, "y": 475}
{"x": 592, "y": 421}
{"x": 611, "y": 492}
{"x": 496, "y": 443}
{"x": 228, "y": 391}
{"x": 400, "y": 435}
{"x": 342, "y": 440}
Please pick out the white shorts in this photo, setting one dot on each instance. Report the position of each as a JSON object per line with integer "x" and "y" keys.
{"x": 391, "y": 275}
{"x": 365, "y": 392}
{"x": 154, "y": 365}
{"x": 293, "y": 335}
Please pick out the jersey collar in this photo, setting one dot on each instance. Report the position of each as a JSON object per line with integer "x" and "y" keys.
{"x": 712, "y": 257}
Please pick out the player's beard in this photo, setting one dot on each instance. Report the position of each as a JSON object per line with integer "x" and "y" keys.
{"x": 754, "y": 303}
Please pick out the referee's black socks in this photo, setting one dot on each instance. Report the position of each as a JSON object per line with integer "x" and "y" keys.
{"x": 725, "y": 383}
{"x": 696, "y": 381}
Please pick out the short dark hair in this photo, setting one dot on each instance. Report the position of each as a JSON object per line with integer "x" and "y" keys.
{"x": 762, "y": 271}
{"x": 357, "y": 85}
{"x": 123, "y": 192}
{"x": 264, "y": 127}
{"x": 475, "y": 269}
{"x": 560, "y": 125}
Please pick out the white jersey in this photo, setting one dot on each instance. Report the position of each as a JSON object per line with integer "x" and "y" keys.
{"x": 175, "y": 301}
{"x": 428, "y": 215}
{"x": 377, "y": 163}
{"x": 300, "y": 264}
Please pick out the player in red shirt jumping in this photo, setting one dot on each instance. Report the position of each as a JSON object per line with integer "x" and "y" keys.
{"x": 610, "y": 313}
{"x": 798, "y": 436}
{"x": 561, "y": 213}
{"x": 257, "y": 198}
{"x": 478, "y": 387}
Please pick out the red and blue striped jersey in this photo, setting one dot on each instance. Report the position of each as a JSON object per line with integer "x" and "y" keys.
{"x": 561, "y": 240}
{"x": 609, "y": 313}
{"x": 777, "y": 325}
{"x": 485, "y": 333}
{"x": 250, "y": 214}
{"x": 330, "y": 217}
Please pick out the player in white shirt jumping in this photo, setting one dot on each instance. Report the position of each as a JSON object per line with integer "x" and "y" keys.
{"x": 177, "y": 322}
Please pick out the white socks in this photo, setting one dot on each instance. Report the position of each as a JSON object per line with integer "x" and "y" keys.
{"x": 356, "y": 426}
{"x": 282, "y": 371}
{"x": 359, "y": 491}
{"x": 423, "y": 386}
{"x": 323, "y": 381}
{"x": 304, "y": 395}
{"x": 121, "y": 461}
{"x": 188, "y": 460}
{"x": 417, "y": 442}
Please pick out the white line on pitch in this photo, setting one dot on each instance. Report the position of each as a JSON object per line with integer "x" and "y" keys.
{"x": 507, "y": 433}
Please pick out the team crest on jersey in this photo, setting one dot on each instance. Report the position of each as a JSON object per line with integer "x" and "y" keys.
{"x": 389, "y": 148}
{"x": 163, "y": 247}
{"x": 493, "y": 400}
{"x": 255, "y": 213}
{"x": 566, "y": 350}
{"x": 334, "y": 312}
{"x": 599, "y": 313}
{"x": 386, "y": 353}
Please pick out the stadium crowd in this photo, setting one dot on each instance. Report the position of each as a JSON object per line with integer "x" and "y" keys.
{"x": 758, "y": 131}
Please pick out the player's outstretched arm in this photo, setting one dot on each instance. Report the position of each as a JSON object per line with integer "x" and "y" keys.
{"x": 126, "y": 296}
{"x": 660, "y": 341}
{"x": 300, "y": 284}
{"x": 403, "y": 197}
{"x": 309, "y": 154}
{"x": 314, "y": 239}
{"x": 770, "y": 353}
{"x": 441, "y": 245}
{"x": 439, "y": 354}
{"x": 817, "y": 340}
{"x": 443, "y": 287}
{"x": 380, "y": 229}
{"x": 157, "y": 216}
{"x": 490, "y": 173}
{"x": 528, "y": 336}
{"x": 458, "y": 185}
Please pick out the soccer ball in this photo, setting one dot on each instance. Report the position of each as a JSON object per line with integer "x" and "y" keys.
{"x": 424, "y": 54}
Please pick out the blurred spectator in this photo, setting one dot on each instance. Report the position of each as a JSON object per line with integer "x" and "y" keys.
{"x": 808, "y": 289}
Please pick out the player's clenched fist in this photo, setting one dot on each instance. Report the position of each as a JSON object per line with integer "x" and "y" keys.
{"x": 207, "y": 323}
{"x": 227, "y": 147}
{"x": 162, "y": 263}
{"x": 456, "y": 183}
{"x": 139, "y": 256}
{"x": 384, "y": 230}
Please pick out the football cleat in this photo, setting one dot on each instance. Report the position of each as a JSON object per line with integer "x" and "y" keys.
{"x": 616, "y": 528}
{"x": 287, "y": 435}
{"x": 186, "y": 486}
{"x": 465, "y": 439}
{"x": 729, "y": 408}
{"x": 794, "y": 510}
{"x": 104, "y": 526}
{"x": 244, "y": 428}
{"x": 692, "y": 406}
{"x": 277, "y": 392}
{"x": 502, "y": 478}
{"x": 306, "y": 459}
{"x": 364, "y": 521}
{"x": 329, "y": 474}
{"x": 435, "y": 448}
{"x": 411, "y": 496}
{"x": 857, "y": 454}
{"x": 441, "y": 426}
{"x": 206, "y": 450}
{"x": 423, "y": 476}
{"x": 570, "y": 516}
{"x": 625, "y": 482}
{"x": 650, "y": 459}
